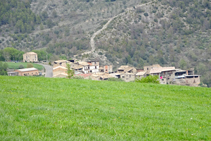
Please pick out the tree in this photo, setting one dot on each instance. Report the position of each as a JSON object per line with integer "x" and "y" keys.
{"x": 3, "y": 68}
{"x": 70, "y": 72}
{"x": 6, "y": 56}
{"x": 182, "y": 64}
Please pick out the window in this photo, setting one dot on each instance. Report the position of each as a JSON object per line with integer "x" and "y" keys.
{"x": 130, "y": 76}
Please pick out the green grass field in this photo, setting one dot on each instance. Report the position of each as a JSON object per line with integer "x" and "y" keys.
{"x": 13, "y": 65}
{"x": 34, "y": 108}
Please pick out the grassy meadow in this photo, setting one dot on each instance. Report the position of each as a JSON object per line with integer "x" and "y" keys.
{"x": 13, "y": 65}
{"x": 34, "y": 108}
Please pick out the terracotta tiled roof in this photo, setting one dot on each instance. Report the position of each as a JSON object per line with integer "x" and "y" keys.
{"x": 84, "y": 75}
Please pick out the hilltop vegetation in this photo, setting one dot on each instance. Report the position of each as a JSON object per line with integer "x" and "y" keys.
{"x": 67, "y": 109}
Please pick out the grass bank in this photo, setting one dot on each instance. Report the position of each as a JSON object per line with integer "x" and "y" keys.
{"x": 13, "y": 65}
{"x": 60, "y": 109}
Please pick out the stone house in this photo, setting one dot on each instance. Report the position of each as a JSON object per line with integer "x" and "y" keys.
{"x": 166, "y": 74}
{"x": 60, "y": 71}
{"x": 141, "y": 74}
{"x": 85, "y": 67}
{"x": 30, "y": 57}
{"x": 186, "y": 77}
{"x": 106, "y": 69}
{"x": 93, "y": 66}
{"x": 27, "y": 72}
{"x": 101, "y": 76}
{"x": 189, "y": 80}
{"x": 60, "y": 63}
{"x": 127, "y": 73}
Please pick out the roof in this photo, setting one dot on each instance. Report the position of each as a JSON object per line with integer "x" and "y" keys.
{"x": 30, "y": 53}
{"x": 27, "y": 69}
{"x": 60, "y": 74}
{"x": 84, "y": 75}
{"x": 179, "y": 70}
{"x": 161, "y": 69}
{"x": 125, "y": 68}
{"x": 77, "y": 66}
{"x": 58, "y": 61}
{"x": 83, "y": 63}
{"x": 141, "y": 73}
{"x": 59, "y": 67}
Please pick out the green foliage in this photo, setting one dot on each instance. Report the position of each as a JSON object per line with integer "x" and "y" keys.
{"x": 3, "y": 68}
{"x": 115, "y": 79}
{"x": 11, "y": 53}
{"x": 30, "y": 65}
{"x": 77, "y": 77}
{"x": 21, "y": 67}
{"x": 70, "y": 72}
{"x": 101, "y": 110}
{"x": 149, "y": 79}
{"x": 18, "y": 14}
{"x": 146, "y": 14}
{"x": 42, "y": 54}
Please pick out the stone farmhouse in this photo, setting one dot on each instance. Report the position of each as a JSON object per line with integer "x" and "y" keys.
{"x": 106, "y": 69}
{"x": 30, "y": 57}
{"x": 126, "y": 73}
{"x": 24, "y": 72}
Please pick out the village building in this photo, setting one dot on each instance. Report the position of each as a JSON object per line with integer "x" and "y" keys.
{"x": 60, "y": 63}
{"x": 60, "y": 71}
{"x": 106, "y": 69}
{"x": 165, "y": 74}
{"x": 24, "y": 72}
{"x": 186, "y": 77}
{"x": 141, "y": 74}
{"x": 85, "y": 67}
{"x": 84, "y": 76}
{"x": 126, "y": 73}
{"x": 30, "y": 57}
{"x": 101, "y": 76}
{"x": 93, "y": 66}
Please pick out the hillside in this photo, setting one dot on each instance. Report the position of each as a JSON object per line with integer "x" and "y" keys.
{"x": 62, "y": 109}
{"x": 138, "y": 33}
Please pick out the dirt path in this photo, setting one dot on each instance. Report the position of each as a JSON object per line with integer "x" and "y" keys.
{"x": 92, "y": 42}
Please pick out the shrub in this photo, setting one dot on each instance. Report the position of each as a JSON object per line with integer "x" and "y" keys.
{"x": 77, "y": 77}
{"x": 149, "y": 79}
{"x": 30, "y": 65}
{"x": 21, "y": 67}
{"x": 114, "y": 79}
{"x": 146, "y": 14}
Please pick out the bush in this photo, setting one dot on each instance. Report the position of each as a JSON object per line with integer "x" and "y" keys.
{"x": 77, "y": 77}
{"x": 149, "y": 79}
{"x": 146, "y": 14}
{"x": 29, "y": 65}
{"x": 21, "y": 67}
{"x": 114, "y": 79}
